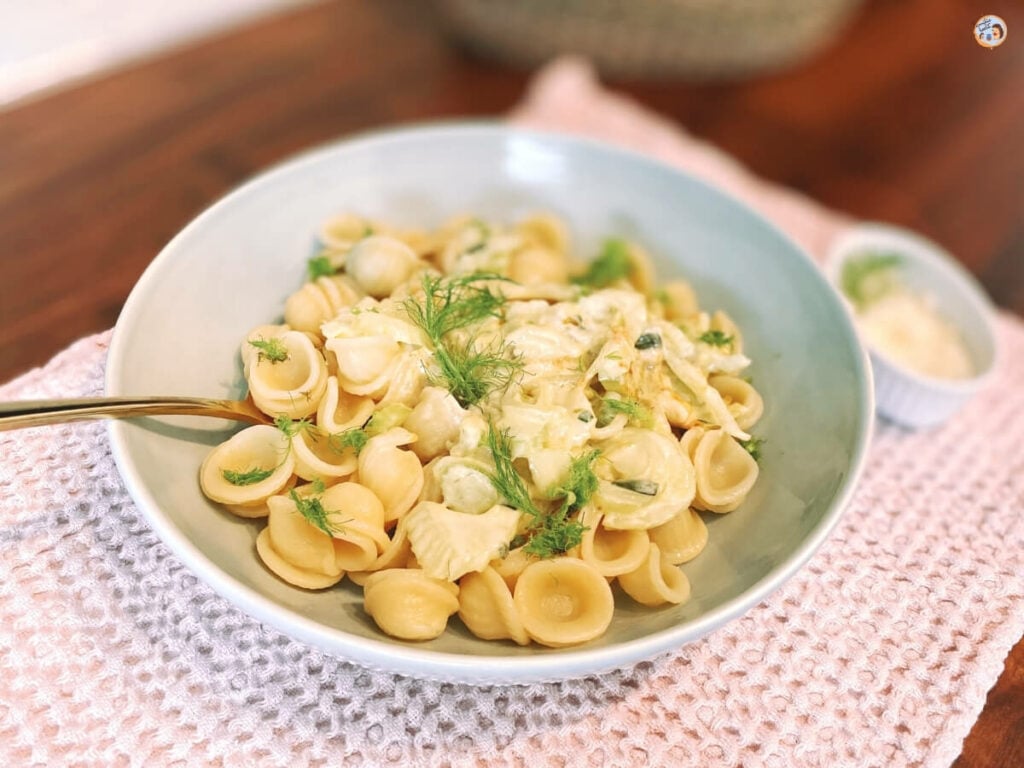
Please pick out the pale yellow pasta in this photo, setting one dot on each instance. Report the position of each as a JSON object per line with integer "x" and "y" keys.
{"x": 511, "y": 566}
{"x": 725, "y": 471}
{"x": 291, "y": 386}
{"x": 407, "y": 604}
{"x": 394, "y": 474}
{"x": 656, "y": 581}
{"x": 532, "y": 265}
{"x": 529, "y": 428}
{"x": 407, "y": 380}
{"x": 294, "y": 549}
{"x": 611, "y": 552}
{"x": 546, "y": 231}
{"x": 359, "y": 535}
{"x": 364, "y": 364}
{"x": 341, "y": 232}
{"x": 563, "y": 601}
{"x": 262, "y": 452}
{"x": 487, "y": 609}
{"x": 339, "y": 410}
{"x": 742, "y": 400}
{"x": 396, "y": 554}
{"x": 678, "y": 300}
{"x": 318, "y": 301}
{"x": 682, "y": 538}
{"x": 379, "y": 264}
{"x": 318, "y": 456}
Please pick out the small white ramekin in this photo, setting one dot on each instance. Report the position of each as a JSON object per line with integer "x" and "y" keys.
{"x": 901, "y": 394}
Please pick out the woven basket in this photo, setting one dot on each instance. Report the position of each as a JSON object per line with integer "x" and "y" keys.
{"x": 699, "y": 39}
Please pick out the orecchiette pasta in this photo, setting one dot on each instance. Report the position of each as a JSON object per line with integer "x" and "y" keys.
{"x": 563, "y": 601}
{"x": 487, "y": 609}
{"x": 470, "y": 421}
{"x": 724, "y": 471}
{"x": 408, "y": 604}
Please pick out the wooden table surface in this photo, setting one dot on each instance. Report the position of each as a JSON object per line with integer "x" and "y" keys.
{"x": 905, "y": 119}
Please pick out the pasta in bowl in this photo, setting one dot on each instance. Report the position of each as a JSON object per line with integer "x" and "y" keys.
{"x": 439, "y": 422}
{"x": 494, "y": 459}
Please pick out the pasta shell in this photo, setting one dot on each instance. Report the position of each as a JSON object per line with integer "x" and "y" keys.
{"x": 359, "y": 536}
{"x": 395, "y": 475}
{"x": 293, "y": 574}
{"x": 396, "y": 554}
{"x": 512, "y": 565}
{"x": 292, "y": 386}
{"x": 364, "y": 363}
{"x": 656, "y": 582}
{"x": 546, "y": 231}
{"x": 318, "y": 301}
{"x": 725, "y": 472}
{"x": 537, "y": 265}
{"x": 682, "y": 538}
{"x": 487, "y": 609}
{"x": 379, "y": 264}
{"x": 740, "y": 397}
{"x": 563, "y": 601}
{"x": 611, "y": 552}
{"x": 408, "y": 604}
{"x": 262, "y": 448}
{"x": 345, "y": 230}
{"x": 317, "y": 457}
{"x": 339, "y": 410}
{"x": 296, "y": 550}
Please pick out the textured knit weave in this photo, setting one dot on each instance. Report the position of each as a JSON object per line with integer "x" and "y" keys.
{"x": 879, "y": 652}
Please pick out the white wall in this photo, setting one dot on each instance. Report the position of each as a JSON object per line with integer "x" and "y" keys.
{"x": 47, "y": 43}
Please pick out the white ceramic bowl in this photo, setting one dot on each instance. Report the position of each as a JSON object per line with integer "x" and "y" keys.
{"x": 232, "y": 268}
{"x": 902, "y": 394}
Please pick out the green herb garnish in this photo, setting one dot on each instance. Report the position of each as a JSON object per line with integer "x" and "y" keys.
{"x": 610, "y": 266}
{"x": 452, "y": 304}
{"x": 355, "y": 439}
{"x": 312, "y": 508}
{"x": 715, "y": 338}
{"x": 634, "y": 411}
{"x": 867, "y": 278}
{"x": 273, "y": 350}
{"x": 291, "y": 427}
{"x": 753, "y": 446}
{"x": 319, "y": 266}
{"x": 548, "y": 534}
{"x": 250, "y": 477}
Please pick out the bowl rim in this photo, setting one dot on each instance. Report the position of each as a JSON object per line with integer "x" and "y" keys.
{"x": 939, "y": 262}
{"x": 395, "y": 657}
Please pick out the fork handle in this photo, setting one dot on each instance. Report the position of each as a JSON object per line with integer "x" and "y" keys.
{"x": 36, "y": 413}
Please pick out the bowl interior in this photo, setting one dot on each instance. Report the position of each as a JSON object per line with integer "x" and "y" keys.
{"x": 233, "y": 267}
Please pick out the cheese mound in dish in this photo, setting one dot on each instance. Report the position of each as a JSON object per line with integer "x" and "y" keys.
{"x": 903, "y": 325}
{"x": 469, "y": 421}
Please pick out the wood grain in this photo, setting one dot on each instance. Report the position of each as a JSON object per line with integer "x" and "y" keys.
{"x": 905, "y": 119}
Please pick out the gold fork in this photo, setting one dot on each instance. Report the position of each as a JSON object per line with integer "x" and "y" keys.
{"x": 36, "y": 413}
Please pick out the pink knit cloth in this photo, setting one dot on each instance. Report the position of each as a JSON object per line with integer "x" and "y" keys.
{"x": 879, "y": 652}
